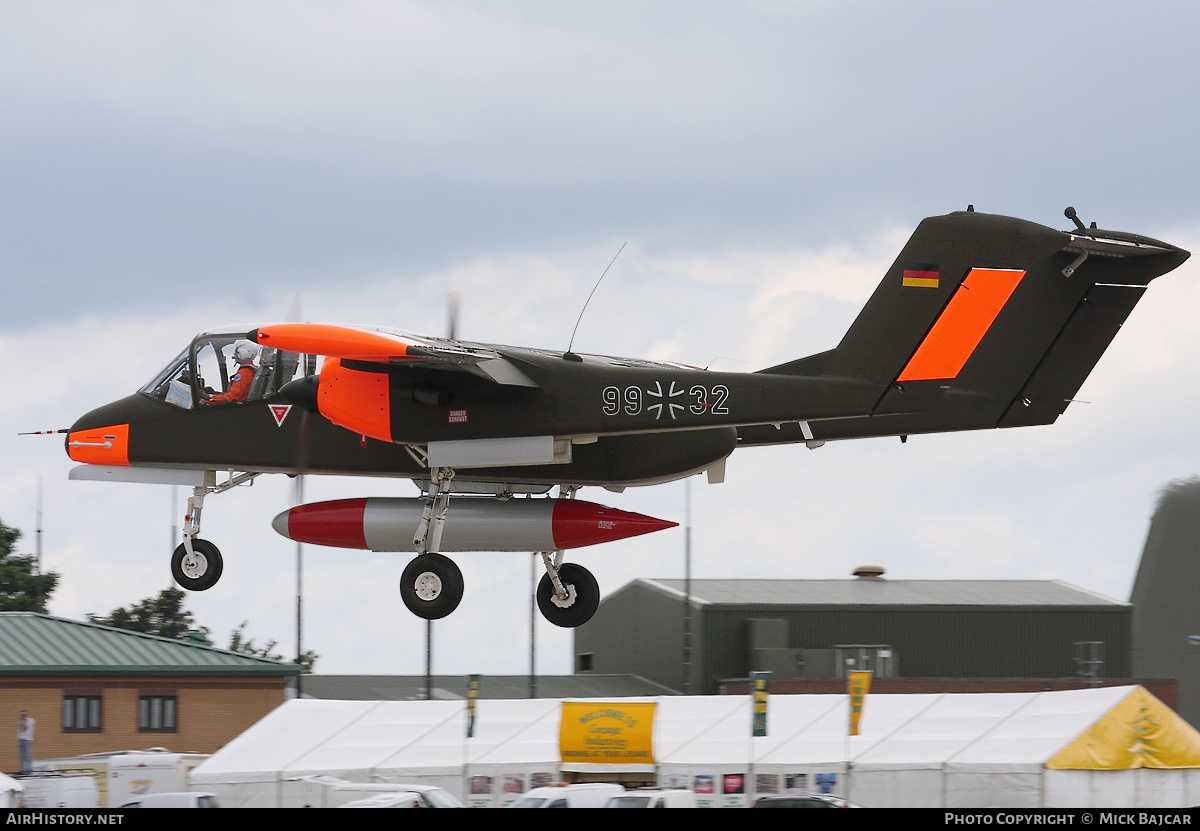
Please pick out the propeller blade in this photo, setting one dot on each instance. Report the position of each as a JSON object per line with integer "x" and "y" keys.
{"x": 303, "y": 453}
{"x": 453, "y": 303}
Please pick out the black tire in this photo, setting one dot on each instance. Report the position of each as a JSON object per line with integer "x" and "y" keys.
{"x": 431, "y": 586}
{"x": 582, "y": 606}
{"x": 200, "y": 571}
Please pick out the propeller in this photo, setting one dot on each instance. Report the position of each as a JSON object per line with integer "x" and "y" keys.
{"x": 453, "y": 304}
{"x": 302, "y": 393}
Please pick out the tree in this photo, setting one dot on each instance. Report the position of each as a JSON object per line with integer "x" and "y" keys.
{"x": 239, "y": 643}
{"x": 163, "y": 616}
{"x": 22, "y": 589}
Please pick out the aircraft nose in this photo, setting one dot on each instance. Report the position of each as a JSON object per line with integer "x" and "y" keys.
{"x": 102, "y": 436}
{"x": 108, "y": 445}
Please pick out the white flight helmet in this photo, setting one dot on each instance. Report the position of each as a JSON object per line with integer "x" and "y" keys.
{"x": 245, "y": 351}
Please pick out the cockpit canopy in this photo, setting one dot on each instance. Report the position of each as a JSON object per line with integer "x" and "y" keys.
{"x": 209, "y": 371}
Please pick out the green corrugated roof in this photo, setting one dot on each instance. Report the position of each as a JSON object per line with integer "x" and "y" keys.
{"x": 33, "y": 644}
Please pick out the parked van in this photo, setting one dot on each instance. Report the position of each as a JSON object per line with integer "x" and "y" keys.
{"x": 133, "y": 775}
{"x": 174, "y": 800}
{"x": 653, "y": 799}
{"x": 582, "y": 795}
{"x": 52, "y": 790}
{"x": 125, "y": 775}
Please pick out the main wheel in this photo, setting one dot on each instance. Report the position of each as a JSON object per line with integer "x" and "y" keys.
{"x": 431, "y": 586}
{"x": 199, "y": 570}
{"x": 582, "y": 601}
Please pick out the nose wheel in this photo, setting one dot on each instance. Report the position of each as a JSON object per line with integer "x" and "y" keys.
{"x": 198, "y": 569}
{"x": 196, "y": 564}
{"x": 431, "y": 586}
{"x": 581, "y": 601}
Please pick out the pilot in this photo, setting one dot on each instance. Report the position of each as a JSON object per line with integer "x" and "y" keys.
{"x": 244, "y": 352}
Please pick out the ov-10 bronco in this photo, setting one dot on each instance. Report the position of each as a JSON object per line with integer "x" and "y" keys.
{"x": 983, "y": 321}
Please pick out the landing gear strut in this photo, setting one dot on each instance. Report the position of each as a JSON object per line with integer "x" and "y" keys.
{"x": 197, "y": 564}
{"x": 432, "y": 585}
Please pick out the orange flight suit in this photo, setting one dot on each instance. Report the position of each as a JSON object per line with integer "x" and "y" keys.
{"x": 239, "y": 386}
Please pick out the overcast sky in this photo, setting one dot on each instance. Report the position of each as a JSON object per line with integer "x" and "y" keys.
{"x": 166, "y": 168}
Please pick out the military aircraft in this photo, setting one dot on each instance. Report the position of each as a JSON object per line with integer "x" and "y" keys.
{"x": 983, "y": 321}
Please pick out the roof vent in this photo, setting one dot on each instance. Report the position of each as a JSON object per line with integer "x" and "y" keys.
{"x": 869, "y": 572}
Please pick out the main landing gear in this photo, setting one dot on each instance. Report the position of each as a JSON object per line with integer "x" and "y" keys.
{"x": 197, "y": 564}
{"x": 432, "y": 585}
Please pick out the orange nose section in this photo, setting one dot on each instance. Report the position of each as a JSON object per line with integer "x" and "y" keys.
{"x": 100, "y": 445}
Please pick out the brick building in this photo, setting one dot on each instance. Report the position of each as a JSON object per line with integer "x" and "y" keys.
{"x": 94, "y": 689}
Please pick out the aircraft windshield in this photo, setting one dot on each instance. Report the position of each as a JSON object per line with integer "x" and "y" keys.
{"x": 221, "y": 368}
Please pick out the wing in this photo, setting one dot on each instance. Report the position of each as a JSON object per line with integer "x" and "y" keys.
{"x": 361, "y": 343}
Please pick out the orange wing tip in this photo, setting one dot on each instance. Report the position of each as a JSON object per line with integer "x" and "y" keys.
{"x": 100, "y": 445}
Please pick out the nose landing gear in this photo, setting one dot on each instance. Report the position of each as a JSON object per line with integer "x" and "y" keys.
{"x": 198, "y": 569}
{"x": 197, "y": 564}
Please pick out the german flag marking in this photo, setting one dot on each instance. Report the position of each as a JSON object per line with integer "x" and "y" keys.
{"x": 963, "y": 323}
{"x": 923, "y": 275}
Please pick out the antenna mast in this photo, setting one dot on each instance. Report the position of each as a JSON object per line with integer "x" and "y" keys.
{"x": 569, "y": 355}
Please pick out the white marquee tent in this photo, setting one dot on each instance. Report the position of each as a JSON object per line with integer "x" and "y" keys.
{"x": 10, "y": 791}
{"x": 1105, "y": 747}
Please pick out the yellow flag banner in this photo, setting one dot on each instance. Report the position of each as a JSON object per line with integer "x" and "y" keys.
{"x": 608, "y": 733}
{"x": 860, "y": 683}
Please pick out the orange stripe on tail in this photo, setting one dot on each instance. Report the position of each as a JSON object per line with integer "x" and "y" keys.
{"x": 962, "y": 325}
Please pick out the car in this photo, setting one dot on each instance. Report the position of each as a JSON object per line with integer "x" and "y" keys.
{"x": 649, "y": 798}
{"x": 174, "y": 800}
{"x": 401, "y": 799}
{"x": 579, "y": 795}
{"x": 803, "y": 801}
{"x": 379, "y": 795}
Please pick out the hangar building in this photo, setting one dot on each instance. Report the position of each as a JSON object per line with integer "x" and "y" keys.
{"x": 815, "y": 630}
{"x": 1166, "y": 618}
